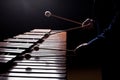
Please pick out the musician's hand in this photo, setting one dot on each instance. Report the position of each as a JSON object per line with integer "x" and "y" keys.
{"x": 88, "y": 23}
{"x": 83, "y": 45}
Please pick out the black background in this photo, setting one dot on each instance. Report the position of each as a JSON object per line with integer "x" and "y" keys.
{"x": 17, "y": 16}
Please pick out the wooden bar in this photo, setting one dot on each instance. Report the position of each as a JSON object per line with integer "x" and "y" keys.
{"x": 40, "y": 61}
{"x": 37, "y": 71}
{"x": 7, "y": 56}
{"x": 15, "y": 45}
{"x": 6, "y": 50}
{"x": 21, "y": 40}
{"x": 41, "y": 67}
{"x": 35, "y": 75}
{"x": 48, "y": 53}
{"x": 34, "y": 33}
{"x": 41, "y": 30}
{"x": 25, "y": 78}
{"x": 41, "y": 64}
{"x": 50, "y": 58}
{"x": 22, "y": 36}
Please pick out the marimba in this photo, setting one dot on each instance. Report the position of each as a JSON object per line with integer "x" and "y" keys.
{"x": 34, "y": 55}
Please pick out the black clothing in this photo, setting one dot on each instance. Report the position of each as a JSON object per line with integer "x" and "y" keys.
{"x": 102, "y": 50}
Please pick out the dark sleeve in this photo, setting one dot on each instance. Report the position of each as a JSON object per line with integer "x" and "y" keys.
{"x": 105, "y": 40}
{"x": 109, "y": 31}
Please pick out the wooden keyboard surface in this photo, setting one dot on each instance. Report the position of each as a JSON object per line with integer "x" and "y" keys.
{"x": 32, "y": 59}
